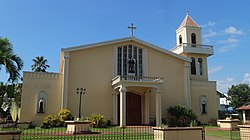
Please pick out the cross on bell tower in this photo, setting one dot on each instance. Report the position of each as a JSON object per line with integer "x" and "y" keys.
{"x": 132, "y": 28}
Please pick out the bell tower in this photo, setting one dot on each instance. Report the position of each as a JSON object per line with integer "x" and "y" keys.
{"x": 189, "y": 44}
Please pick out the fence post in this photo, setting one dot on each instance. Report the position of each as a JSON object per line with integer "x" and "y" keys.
{"x": 203, "y": 133}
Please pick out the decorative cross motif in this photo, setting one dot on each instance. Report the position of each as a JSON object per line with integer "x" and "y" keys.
{"x": 132, "y": 28}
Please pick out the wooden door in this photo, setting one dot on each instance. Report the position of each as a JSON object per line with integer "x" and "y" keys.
{"x": 133, "y": 109}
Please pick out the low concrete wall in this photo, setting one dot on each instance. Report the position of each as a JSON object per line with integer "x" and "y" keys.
{"x": 78, "y": 126}
{"x": 23, "y": 125}
{"x": 244, "y": 132}
{"x": 228, "y": 124}
{"x": 10, "y": 135}
{"x": 178, "y": 133}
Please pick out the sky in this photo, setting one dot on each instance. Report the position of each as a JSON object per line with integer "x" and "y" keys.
{"x": 43, "y": 27}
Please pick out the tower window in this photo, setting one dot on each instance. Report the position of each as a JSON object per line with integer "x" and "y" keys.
{"x": 200, "y": 63}
{"x": 193, "y": 39}
{"x": 193, "y": 67}
{"x": 180, "y": 39}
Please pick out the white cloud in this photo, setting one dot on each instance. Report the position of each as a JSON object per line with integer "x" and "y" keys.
{"x": 215, "y": 69}
{"x": 246, "y": 78}
{"x": 233, "y": 30}
{"x": 229, "y": 41}
{"x": 228, "y": 48}
{"x": 210, "y": 33}
{"x": 209, "y": 24}
{"x": 224, "y": 84}
{"x": 160, "y": 11}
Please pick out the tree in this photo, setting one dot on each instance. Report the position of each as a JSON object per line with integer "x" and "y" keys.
{"x": 40, "y": 64}
{"x": 9, "y": 93}
{"x": 239, "y": 95}
{"x": 12, "y": 63}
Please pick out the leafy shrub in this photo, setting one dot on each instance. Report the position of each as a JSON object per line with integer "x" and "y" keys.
{"x": 212, "y": 122}
{"x": 99, "y": 121}
{"x": 51, "y": 121}
{"x": 181, "y": 116}
{"x": 57, "y": 120}
{"x": 64, "y": 115}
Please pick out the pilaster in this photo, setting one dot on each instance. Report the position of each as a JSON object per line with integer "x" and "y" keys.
{"x": 187, "y": 84}
{"x": 146, "y": 105}
{"x": 65, "y": 81}
{"x": 114, "y": 107}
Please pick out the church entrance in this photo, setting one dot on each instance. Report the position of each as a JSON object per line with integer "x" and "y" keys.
{"x": 133, "y": 109}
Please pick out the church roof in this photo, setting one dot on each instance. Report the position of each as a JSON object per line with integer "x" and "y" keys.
{"x": 131, "y": 38}
{"x": 188, "y": 21}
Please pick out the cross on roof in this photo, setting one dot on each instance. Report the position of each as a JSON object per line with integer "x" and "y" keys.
{"x": 132, "y": 28}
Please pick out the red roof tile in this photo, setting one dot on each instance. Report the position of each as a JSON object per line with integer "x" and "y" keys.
{"x": 247, "y": 107}
{"x": 188, "y": 21}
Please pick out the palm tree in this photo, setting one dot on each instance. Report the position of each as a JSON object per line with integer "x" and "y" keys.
{"x": 39, "y": 64}
{"x": 12, "y": 63}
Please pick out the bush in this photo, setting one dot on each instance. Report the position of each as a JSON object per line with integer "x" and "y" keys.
{"x": 99, "y": 121}
{"x": 57, "y": 120}
{"x": 64, "y": 115}
{"x": 181, "y": 116}
{"x": 51, "y": 121}
{"x": 212, "y": 122}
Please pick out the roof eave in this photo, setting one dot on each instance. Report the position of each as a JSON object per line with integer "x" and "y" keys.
{"x": 74, "y": 48}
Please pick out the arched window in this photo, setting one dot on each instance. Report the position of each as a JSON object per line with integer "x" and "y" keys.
{"x": 180, "y": 39}
{"x": 193, "y": 67}
{"x": 41, "y": 106}
{"x": 41, "y": 102}
{"x": 203, "y": 104}
{"x": 200, "y": 63}
{"x": 193, "y": 39}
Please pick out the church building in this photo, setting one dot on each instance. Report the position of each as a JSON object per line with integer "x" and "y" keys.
{"x": 129, "y": 80}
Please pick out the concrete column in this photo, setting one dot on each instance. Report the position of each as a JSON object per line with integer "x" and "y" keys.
{"x": 187, "y": 85}
{"x": 244, "y": 116}
{"x": 158, "y": 107}
{"x": 114, "y": 107}
{"x": 123, "y": 91}
{"x": 146, "y": 108}
{"x": 65, "y": 81}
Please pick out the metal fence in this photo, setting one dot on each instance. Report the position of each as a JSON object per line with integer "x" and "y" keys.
{"x": 235, "y": 134}
{"x": 111, "y": 133}
{"x": 242, "y": 132}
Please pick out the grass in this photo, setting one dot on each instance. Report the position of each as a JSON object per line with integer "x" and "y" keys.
{"x": 100, "y": 133}
{"x": 216, "y": 132}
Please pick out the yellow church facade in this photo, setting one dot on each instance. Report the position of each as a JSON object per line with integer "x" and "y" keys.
{"x": 130, "y": 81}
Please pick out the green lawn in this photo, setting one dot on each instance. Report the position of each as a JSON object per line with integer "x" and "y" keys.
{"x": 214, "y": 131}
{"x": 100, "y": 134}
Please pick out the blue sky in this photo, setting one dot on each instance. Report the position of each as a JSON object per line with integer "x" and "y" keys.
{"x": 43, "y": 27}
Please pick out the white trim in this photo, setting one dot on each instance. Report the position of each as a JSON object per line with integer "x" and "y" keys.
{"x": 123, "y": 40}
{"x": 187, "y": 85}
{"x": 115, "y": 55}
{"x": 65, "y": 81}
{"x": 145, "y": 62}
